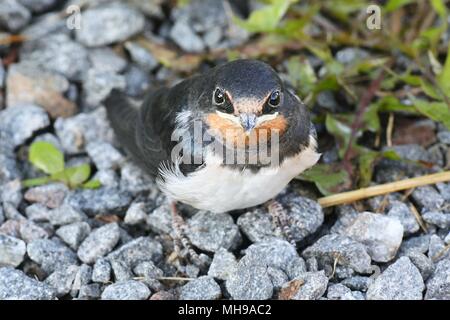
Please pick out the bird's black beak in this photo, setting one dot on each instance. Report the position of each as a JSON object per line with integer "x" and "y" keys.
{"x": 248, "y": 121}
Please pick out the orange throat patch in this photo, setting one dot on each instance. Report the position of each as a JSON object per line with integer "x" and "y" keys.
{"x": 234, "y": 135}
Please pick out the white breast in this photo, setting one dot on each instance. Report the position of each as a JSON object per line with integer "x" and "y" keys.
{"x": 217, "y": 188}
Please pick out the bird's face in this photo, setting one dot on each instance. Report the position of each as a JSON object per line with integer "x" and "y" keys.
{"x": 247, "y": 99}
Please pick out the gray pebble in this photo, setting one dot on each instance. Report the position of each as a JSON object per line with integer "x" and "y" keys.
{"x": 339, "y": 292}
{"x": 141, "y": 56}
{"x": 109, "y": 24}
{"x": 13, "y": 15}
{"x": 134, "y": 180}
{"x": 51, "y": 255}
{"x": 104, "y": 155}
{"x": 75, "y": 132}
{"x": 101, "y": 201}
{"x": 309, "y": 286}
{"x": 358, "y": 283}
{"x": 17, "y": 124}
{"x": 15, "y": 285}
{"x": 102, "y": 271}
{"x": 108, "y": 178}
{"x": 105, "y": 59}
{"x": 73, "y": 234}
{"x": 437, "y": 249}
{"x": 38, "y": 5}
{"x": 419, "y": 244}
{"x": 150, "y": 274}
{"x": 438, "y": 285}
{"x": 249, "y": 282}
{"x": 423, "y": 263}
{"x": 90, "y": 292}
{"x": 137, "y": 81}
{"x": 223, "y": 264}
{"x": 51, "y": 195}
{"x": 278, "y": 254}
{"x": 380, "y": 234}
{"x": 11, "y": 192}
{"x": 82, "y": 278}
{"x": 444, "y": 137}
{"x": 59, "y": 53}
{"x": 37, "y": 212}
{"x": 12, "y": 251}
{"x": 444, "y": 190}
{"x": 126, "y": 290}
{"x": 65, "y": 214}
{"x": 401, "y": 211}
{"x": 160, "y": 219}
{"x": 121, "y": 271}
{"x": 98, "y": 84}
{"x": 351, "y": 55}
{"x": 257, "y": 226}
{"x": 135, "y": 214}
{"x": 442, "y": 220}
{"x": 428, "y": 198}
{"x": 29, "y": 231}
{"x": 400, "y": 281}
{"x": 136, "y": 251}
{"x": 182, "y": 34}
{"x": 203, "y": 288}
{"x": 210, "y": 231}
{"x": 62, "y": 279}
{"x": 345, "y": 250}
{"x": 99, "y": 243}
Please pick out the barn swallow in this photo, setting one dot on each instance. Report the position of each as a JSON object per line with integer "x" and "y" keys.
{"x": 231, "y": 103}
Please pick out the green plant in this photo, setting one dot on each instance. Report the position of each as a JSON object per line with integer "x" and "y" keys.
{"x": 47, "y": 158}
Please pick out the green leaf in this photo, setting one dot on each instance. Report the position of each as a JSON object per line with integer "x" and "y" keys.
{"x": 301, "y": 75}
{"x": 73, "y": 176}
{"x": 341, "y": 132}
{"x": 393, "y": 5}
{"x": 36, "y": 182}
{"x": 366, "y": 163}
{"x": 437, "y": 111}
{"x": 77, "y": 175}
{"x": 46, "y": 157}
{"x": 444, "y": 77}
{"x": 92, "y": 184}
{"x": 327, "y": 178}
{"x": 267, "y": 18}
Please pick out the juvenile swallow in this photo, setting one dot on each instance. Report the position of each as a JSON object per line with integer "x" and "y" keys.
{"x": 225, "y": 106}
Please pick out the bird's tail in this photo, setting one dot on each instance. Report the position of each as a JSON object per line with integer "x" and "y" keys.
{"x": 123, "y": 117}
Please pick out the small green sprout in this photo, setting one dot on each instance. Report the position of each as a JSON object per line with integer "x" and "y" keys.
{"x": 46, "y": 157}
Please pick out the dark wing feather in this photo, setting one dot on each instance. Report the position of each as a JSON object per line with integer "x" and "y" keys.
{"x": 135, "y": 130}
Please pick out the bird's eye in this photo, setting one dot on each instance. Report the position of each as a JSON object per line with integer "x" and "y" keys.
{"x": 275, "y": 99}
{"x": 219, "y": 96}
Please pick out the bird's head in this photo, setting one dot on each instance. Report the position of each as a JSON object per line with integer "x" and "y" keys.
{"x": 248, "y": 97}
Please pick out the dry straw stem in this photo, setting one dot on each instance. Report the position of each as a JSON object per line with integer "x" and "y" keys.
{"x": 364, "y": 193}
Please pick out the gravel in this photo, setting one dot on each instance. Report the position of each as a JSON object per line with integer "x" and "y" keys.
{"x": 149, "y": 274}
{"x": 257, "y": 226}
{"x": 339, "y": 292}
{"x": 15, "y": 285}
{"x": 99, "y": 243}
{"x": 105, "y": 59}
{"x": 62, "y": 280}
{"x": 442, "y": 220}
{"x": 309, "y": 286}
{"x": 401, "y": 211}
{"x": 29, "y": 231}
{"x": 18, "y": 124}
{"x": 102, "y": 201}
{"x": 358, "y": 283}
{"x": 73, "y": 234}
{"x": 342, "y": 250}
{"x": 380, "y": 234}
{"x": 104, "y": 155}
{"x": 126, "y": 290}
{"x": 223, "y": 265}
{"x": 438, "y": 285}
{"x": 135, "y": 214}
{"x": 249, "y": 282}
{"x": 98, "y": 85}
{"x": 137, "y": 251}
{"x": 400, "y": 281}
{"x": 12, "y": 251}
{"x": 13, "y": 16}
{"x": 423, "y": 263}
{"x": 202, "y": 288}
{"x": 51, "y": 195}
{"x": 211, "y": 231}
{"x": 51, "y": 254}
{"x": 102, "y": 271}
{"x": 57, "y": 52}
{"x": 141, "y": 56}
{"x": 109, "y": 24}
{"x": 29, "y": 84}
{"x": 428, "y": 198}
